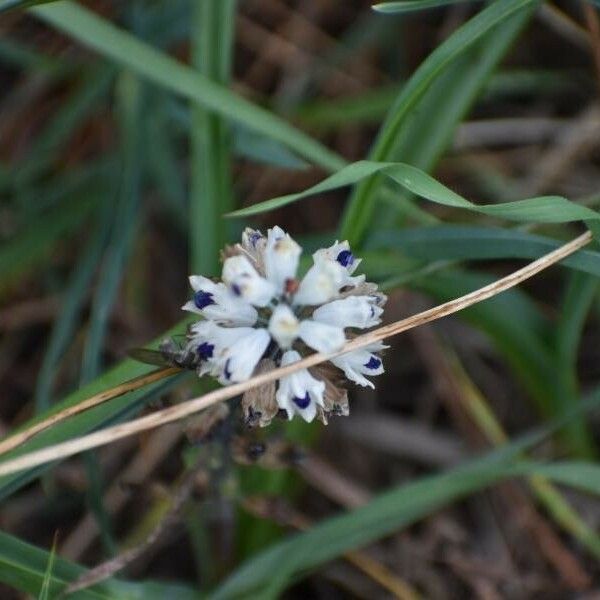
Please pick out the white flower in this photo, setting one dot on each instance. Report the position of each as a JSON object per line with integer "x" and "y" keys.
{"x": 299, "y": 392}
{"x": 245, "y": 282}
{"x": 321, "y": 283}
{"x": 228, "y": 353}
{"x": 214, "y": 301}
{"x": 284, "y": 326}
{"x": 341, "y": 254}
{"x": 321, "y": 336}
{"x": 354, "y": 311}
{"x": 260, "y": 314}
{"x": 282, "y": 254}
{"x": 361, "y": 362}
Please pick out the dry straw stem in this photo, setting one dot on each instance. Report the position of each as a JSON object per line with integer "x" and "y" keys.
{"x": 133, "y": 384}
{"x": 185, "y": 409}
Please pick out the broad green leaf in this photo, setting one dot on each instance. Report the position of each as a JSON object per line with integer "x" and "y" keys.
{"x": 464, "y": 242}
{"x": 359, "y": 211}
{"x": 23, "y": 567}
{"x": 544, "y": 209}
{"x": 130, "y": 52}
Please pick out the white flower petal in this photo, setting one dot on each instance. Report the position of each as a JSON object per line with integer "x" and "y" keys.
{"x": 299, "y": 393}
{"x": 229, "y": 353}
{"x": 284, "y": 326}
{"x": 339, "y": 252}
{"x": 321, "y": 284}
{"x": 214, "y": 301}
{"x": 353, "y": 311}
{"x": 242, "y": 358}
{"x": 361, "y": 362}
{"x": 321, "y": 336}
{"x": 244, "y": 281}
{"x": 282, "y": 254}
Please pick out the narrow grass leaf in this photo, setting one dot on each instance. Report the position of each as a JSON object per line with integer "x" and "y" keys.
{"x": 473, "y": 243}
{"x": 544, "y": 209}
{"x": 359, "y": 210}
{"x": 407, "y": 6}
{"x": 125, "y": 49}
{"x": 24, "y": 568}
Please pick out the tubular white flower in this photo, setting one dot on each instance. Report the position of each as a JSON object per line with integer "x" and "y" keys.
{"x": 299, "y": 393}
{"x": 361, "y": 362}
{"x": 244, "y": 281}
{"x": 321, "y": 284}
{"x": 214, "y": 301}
{"x": 282, "y": 254}
{"x": 354, "y": 311}
{"x": 284, "y": 326}
{"x": 341, "y": 254}
{"x": 229, "y": 353}
{"x": 260, "y": 314}
{"x": 321, "y": 336}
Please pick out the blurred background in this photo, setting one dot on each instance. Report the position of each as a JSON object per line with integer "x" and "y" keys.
{"x": 113, "y": 183}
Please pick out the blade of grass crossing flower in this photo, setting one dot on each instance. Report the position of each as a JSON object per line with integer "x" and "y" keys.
{"x": 123, "y": 48}
{"x": 211, "y": 191}
{"x": 358, "y": 213}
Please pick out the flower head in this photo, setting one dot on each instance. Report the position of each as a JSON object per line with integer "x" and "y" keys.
{"x": 260, "y": 316}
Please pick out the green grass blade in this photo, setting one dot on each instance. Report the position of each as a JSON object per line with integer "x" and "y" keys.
{"x": 578, "y": 298}
{"x": 408, "y": 6}
{"x": 45, "y": 591}
{"x": 64, "y": 326}
{"x": 472, "y": 243}
{"x": 6, "y": 5}
{"x": 544, "y": 209}
{"x": 388, "y": 513}
{"x": 24, "y": 568}
{"x": 211, "y": 190}
{"x": 26, "y": 249}
{"x": 359, "y": 211}
{"x": 123, "y": 48}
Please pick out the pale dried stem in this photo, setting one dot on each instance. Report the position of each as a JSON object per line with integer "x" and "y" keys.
{"x": 124, "y": 388}
{"x": 185, "y": 409}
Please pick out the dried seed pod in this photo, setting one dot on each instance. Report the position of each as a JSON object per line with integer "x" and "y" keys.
{"x": 259, "y": 404}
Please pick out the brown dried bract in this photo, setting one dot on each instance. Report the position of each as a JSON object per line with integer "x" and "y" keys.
{"x": 335, "y": 397}
{"x": 259, "y": 404}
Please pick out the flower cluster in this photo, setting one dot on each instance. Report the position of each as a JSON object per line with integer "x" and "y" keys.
{"x": 260, "y": 317}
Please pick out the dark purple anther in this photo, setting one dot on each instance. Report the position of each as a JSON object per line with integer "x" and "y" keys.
{"x": 302, "y": 402}
{"x": 203, "y": 299}
{"x": 236, "y": 289}
{"x": 374, "y": 363}
{"x": 205, "y": 350}
{"x": 226, "y": 370}
{"x": 254, "y": 237}
{"x": 345, "y": 258}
